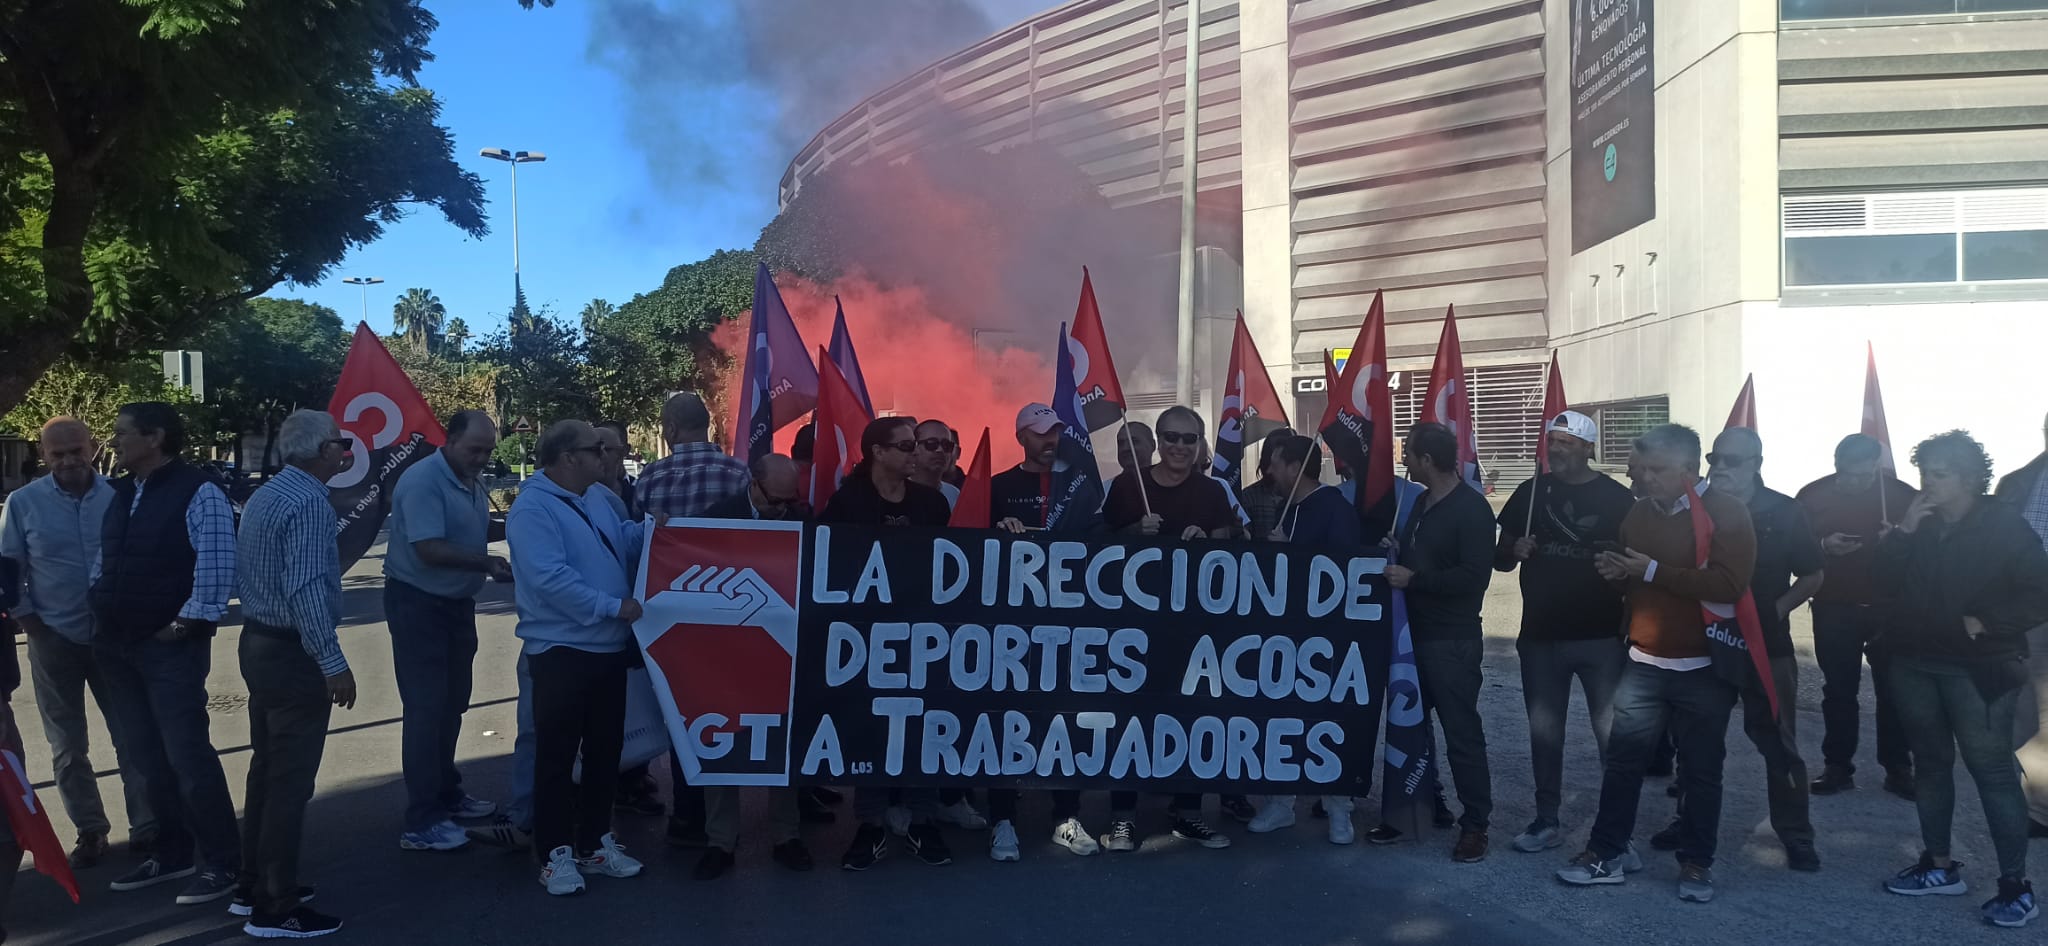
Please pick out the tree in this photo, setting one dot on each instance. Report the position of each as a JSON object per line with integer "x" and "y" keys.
{"x": 94, "y": 393}
{"x": 661, "y": 341}
{"x": 456, "y": 336}
{"x": 419, "y": 316}
{"x": 447, "y": 386}
{"x": 268, "y": 357}
{"x": 167, "y": 159}
{"x": 539, "y": 371}
{"x": 521, "y": 319}
{"x": 594, "y": 312}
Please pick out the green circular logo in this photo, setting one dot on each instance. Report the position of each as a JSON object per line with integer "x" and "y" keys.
{"x": 1610, "y": 163}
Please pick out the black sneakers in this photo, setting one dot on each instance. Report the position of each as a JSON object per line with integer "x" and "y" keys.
{"x": 1834, "y": 780}
{"x": 1192, "y": 829}
{"x": 1238, "y": 807}
{"x": 928, "y": 844}
{"x": 244, "y": 903}
{"x": 301, "y": 923}
{"x": 870, "y": 844}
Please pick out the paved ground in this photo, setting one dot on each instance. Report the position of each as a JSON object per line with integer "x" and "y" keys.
{"x": 1286, "y": 888}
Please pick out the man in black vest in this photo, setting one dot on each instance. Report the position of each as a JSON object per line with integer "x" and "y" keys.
{"x": 167, "y": 568}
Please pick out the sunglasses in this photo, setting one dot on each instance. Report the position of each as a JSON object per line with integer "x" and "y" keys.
{"x": 345, "y": 443}
{"x": 774, "y": 500}
{"x": 936, "y": 445}
{"x": 1185, "y": 440}
{"x": 900, "y": 446}
{"x": 1730, "y": 459}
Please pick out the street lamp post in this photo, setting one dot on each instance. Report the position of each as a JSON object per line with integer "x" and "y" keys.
{"x": 514, "y": 158}
{"x": 365, "y": 282}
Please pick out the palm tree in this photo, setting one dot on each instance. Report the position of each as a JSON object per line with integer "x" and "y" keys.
{"x": 419, "y": 315}
{"x": 456, "y": 335}
{"x": 594, "y": 312}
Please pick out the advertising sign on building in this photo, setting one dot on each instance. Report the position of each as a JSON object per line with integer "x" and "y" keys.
{"x": 1613, "y": 119}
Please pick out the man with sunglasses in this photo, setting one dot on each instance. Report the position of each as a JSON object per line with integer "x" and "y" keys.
{"x": 51, "y": 529}
{"x": 937, "y": 449}
{"x": 1788, "y": 571}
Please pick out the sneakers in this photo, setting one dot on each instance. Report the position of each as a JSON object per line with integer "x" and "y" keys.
{"x": 1384, "y": 834}
{"x": 1589, "y": 870}
{"x": 1899, "y": 781}
{"x": 1192, "y": 829}
{"x": 445, "y": 836}
{"x": 609, "y": 860}
{"x": 472, "y": 808}
{"x": 793, "y": 855}
{"x": 870, "y": 844}
{"x": 2013, "y": 906}
{"x": 1122, "y": 837}
{"x": 1341, "y": 831}
{"x": 1471, "y": 847}
{"x": 211, "y": 884}
{"x": 149, "y": 873}
{"x": 302, "y": 923}
{"x": 244, "y": 903}
{"x": 1801, "y": 856}
{"x": 1924, "y": 879}
{"x": 1668, "y": 839}
{"x": 929, "y": 845}
{"x": 1630, "y": 861}
{"x": 90, "y": 850}
{"x": 1274, "y": 816}
{"x": 897, "y": 818}
{"x": 961, "y": 814}
{"x": 1002, "y": 843}
{"x": 1237, "y": 807}
{"x": 1541, "y": 836}
{"x": 499, "y": 833}
{"x": 1695, "y": 883}
{"x": 560, "y": 875}
{"x": 1834, "y": 780}
{"x": 1073, "y": 835}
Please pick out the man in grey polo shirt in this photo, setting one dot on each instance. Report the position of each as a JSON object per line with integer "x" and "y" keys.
{"x": 441, "y": 530}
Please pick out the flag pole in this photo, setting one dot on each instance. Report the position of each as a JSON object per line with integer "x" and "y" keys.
{"x": 1125, "y": 432}
{"x": 1536, "y": 478}
{"x": 1298, "y": 474}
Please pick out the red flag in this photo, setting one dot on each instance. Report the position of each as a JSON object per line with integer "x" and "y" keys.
{"x": 1553, "y": 405}
{"x": 971, "y": 510}
{"x": 1358, "y": 426}
{"x": 840, "y": 421}
{"x": 378, "y": 407}
{"x": 1251, "y": 405}
{"x": 1873, "y": 413}
{"x": 31, "y": 824}
{"x": 1743, "y": 611}
{"x": 1102, "y": 395}
{"x": 1744, "y": 414}
{"x": 1449, "y": 403}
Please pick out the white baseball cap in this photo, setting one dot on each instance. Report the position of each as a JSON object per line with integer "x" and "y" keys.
{"x": 1037, "y": 418}
{"x": 1576, "y": 424}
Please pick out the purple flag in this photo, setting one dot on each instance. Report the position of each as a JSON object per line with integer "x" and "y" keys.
{"x": 1407, "y": 774}
{"x": 780, "y": 384}
{"x": 1077, "y": 492}
{"x": 848, "y": 363}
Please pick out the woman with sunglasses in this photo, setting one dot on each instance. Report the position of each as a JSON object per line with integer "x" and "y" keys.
{"x": 879, "y": 492}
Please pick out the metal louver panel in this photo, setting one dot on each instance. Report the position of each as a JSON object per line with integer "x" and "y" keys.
{"x": 1621, "y": 423}
{"x": 1825, "y": 213}
{"x": 1913, "y": 213}
{"x": 2005, "y": 210}
{"x": 1507, "y": 408}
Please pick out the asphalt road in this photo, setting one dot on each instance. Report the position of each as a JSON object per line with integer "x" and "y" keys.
{"x": 1289, "y": 887}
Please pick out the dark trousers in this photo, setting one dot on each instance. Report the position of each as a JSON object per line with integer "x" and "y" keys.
{"x": 63, "y": 672}
{"x": 1695, "y": 704}
{"x": 433, "y": 649}
{"x": 1450, "y": 692}
{"x": 689, "y": 799}
{"x": 1841, "y": 643}
{"x": 579, "y": 705}
{"x": 1943, "y": 712}
{"x": 1548, "y": 668}
{"x": 1777, "y": 741}
{"x": 1066, "y": 803}
{"x": 288, "y": 714}
{"x": 158, "y": 691}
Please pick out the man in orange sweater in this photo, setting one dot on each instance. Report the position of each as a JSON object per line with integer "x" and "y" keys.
{"x": 1669, "y": 678}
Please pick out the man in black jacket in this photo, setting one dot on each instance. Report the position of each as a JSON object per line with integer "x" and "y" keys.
{"x": 1446, "y": 562}
{"x": 2027, "y": 491}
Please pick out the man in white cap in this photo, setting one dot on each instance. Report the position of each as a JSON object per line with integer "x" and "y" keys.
{"x": 1571, "y": 617}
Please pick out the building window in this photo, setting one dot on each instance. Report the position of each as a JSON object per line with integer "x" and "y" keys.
{"x": 1857, "y": 9}
{"x": 1507, "y": 410}
{"x": 1940, "y": 238}
{"x": 1622, "y": 422}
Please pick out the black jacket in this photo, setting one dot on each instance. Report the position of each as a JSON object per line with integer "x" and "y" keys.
{"x": 1990, "y": 566}
{"x": 146, "y": 558}
{"x": 1450, "y": 547}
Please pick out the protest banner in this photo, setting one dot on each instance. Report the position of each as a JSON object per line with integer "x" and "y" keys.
{"x": 792, "y": 654}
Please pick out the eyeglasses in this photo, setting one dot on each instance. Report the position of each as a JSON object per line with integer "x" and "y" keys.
{"x": 1730, "y": 459}
{"x": 901, "y": 446}
{"x": 345, "y": 443}
{"x": 596, "y": 449}
{"x": 1185, "y": 440}
{"x": 935, "y": 444}
{"x": 774, "y": 500}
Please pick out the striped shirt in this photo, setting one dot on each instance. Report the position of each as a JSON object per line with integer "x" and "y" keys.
{"x": 290, "y": 565}
{"x": 2036, "y": 509}
{"x": 210, "y": 524}
{"x": 688, "y": 481}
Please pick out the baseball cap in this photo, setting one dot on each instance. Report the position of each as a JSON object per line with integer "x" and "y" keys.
{"x": 1576, "y": 424}
{"x": 1037, "y": 418}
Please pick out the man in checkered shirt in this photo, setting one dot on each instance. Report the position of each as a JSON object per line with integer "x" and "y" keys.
{"x": 2027, "y": 489}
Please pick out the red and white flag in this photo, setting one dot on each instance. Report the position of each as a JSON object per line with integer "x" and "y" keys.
{"x": 378, "y": 407}
{"x": 1553, "y": 405}
{"x": 1744, "y": 412}
{"x": 1102, "y": 395}
{"x": 971, "y": 510}
{"x": 1873, "y": 413}
{"x": 841, "y": 419}
{"x": 1449, "y": 401}
{"x": 1358, "y": 426}
{"x": 31, "y": 824}
{"x": 1251, "y": 406}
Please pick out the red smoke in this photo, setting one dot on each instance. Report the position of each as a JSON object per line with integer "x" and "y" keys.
{"x": 915, "y": 363}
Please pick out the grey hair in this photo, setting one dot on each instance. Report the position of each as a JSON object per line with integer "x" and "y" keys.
{"x": 1673, "y": 440}
{"x": 1743, "y": 435}
{"x": 302, "y": 436}
{"x": 559, "y": 438}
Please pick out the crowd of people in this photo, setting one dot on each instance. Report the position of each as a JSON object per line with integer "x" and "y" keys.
{"x": 1631, "y": 591}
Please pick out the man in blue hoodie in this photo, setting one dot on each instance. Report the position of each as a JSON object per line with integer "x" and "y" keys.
{"x": 572, "y": 565}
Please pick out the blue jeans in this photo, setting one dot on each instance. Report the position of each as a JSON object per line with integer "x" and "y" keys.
{"x": 519, "y": 806}
{"x": 1695, "y": 704}
{"x": 1548, "y": 668}
{"x": 158, "y": 691}
{"x": 433, "y": 648}
{"x": 1942, "y": 711}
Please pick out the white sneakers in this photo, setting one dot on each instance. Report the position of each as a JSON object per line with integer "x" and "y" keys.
{"x": 1002, "y": 845}
{"x": 1074, "y": 836}
{"x": 961, "y": 814}
{"x": 1276, "y": 813}
{"x": 445, "y": 836}
{"x": 1338, "y": 808}
{"x": 560, "y": 876}
{"x": 609, "y": 861}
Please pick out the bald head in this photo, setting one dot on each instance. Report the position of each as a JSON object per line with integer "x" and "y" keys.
{"x": 65, "y": 427}
{"x": 685, "y": 419}
{"x": 68, "y": 450}
{"x": 775, "y": 492}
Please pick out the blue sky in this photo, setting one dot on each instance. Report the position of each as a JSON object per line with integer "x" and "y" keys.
{"x": 594, "y": 222}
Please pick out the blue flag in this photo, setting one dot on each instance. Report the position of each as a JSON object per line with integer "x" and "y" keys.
{"x": 780, "y": 383}
{"x": 1077, "y": 493}
{"x": 848, "y": 363}
{"x": 1407, "y": 755}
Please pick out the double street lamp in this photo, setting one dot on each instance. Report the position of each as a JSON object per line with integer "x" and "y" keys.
{"x": 365, "y": 282}
{"x": 514, "y": 158}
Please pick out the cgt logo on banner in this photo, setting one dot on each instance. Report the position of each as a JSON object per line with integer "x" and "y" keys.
{"x": 788, "y": 654}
